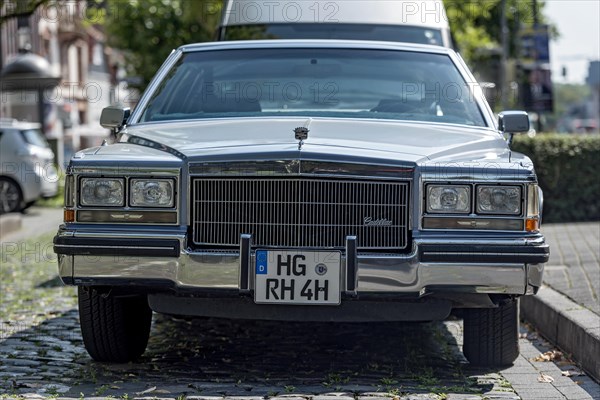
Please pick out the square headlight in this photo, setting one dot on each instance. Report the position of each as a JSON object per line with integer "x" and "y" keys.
{"x": 450, "y": 199}
{"x": 499, "y": 200}
{"x": 152, "y": 192}
{"x": 104, "y": 192}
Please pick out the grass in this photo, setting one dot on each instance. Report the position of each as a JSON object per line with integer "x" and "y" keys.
{"x": 388, "y": 381}
{"x": 57, "y": 201}
{"x": 101, "y": 390}
{"x": 52, "y": 391}
{"x": 335, "y": 380}
{"x": 289, "y": 388}
{"x": 24, "y": 268}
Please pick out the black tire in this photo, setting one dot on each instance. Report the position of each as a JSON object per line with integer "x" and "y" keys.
{"x": 114, "y": 328}
{"x": 491, "y": 335}
{"x": 27, "y": 205}
{"x": 11, "y": 198}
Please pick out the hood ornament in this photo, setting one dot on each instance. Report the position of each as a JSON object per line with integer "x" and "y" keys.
{"x": 301, "y": 134}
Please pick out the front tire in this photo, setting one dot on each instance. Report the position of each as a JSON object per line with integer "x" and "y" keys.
{"x": 491, "y": 335}
{"x": 115, "y": 328}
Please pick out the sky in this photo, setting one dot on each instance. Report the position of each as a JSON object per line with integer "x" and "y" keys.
{"x": 578, "y": 22}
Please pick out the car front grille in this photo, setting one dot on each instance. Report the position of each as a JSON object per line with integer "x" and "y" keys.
{"x": 300, "y": 212}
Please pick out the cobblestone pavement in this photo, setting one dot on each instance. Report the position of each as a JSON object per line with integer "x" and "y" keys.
{"x": 574, "y": 266}
{"x": 42, "y": 354}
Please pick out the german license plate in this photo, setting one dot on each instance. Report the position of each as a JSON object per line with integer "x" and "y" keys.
{"x": 297, "y": 277}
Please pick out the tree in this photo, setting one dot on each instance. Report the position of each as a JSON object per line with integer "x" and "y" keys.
{"x": 148, "y": 30}
{"x": 569, "y": 95}
{"x": 476, "y": 29}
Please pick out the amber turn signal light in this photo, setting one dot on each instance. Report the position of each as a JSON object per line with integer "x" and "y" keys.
{"x": 531, "y": 225}
{"x": 69, "y": 216}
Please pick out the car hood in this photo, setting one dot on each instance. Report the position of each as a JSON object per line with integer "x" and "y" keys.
{"x": 274, "y": 138}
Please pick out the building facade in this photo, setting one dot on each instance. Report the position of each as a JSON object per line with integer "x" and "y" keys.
{"x": 75, "y": 48}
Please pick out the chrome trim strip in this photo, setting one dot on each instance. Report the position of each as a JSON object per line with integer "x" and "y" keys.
{"x": 301, "y": 167}
{"x": 450, "y": 253}
{"x": 130, "y": 223}
{"x": 455, "y": 174}
{"x": 124, "y": 170}
{"x": 117, "y": 234}
{"x": 536, "y": 240}
{"x": 85, "y": 246}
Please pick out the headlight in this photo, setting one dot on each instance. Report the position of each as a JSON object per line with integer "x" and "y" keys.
{"x": 499, "y": 200}
{"x": 102, "y": 192}
{"x": 448, "y": 199}
{"x": 152, "y": 193}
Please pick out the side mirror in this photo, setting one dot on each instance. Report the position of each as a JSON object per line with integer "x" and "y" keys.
{"x": 114, "y": 117}
{"x": 513, "y": 122}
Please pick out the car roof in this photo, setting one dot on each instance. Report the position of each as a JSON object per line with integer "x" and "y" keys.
{"x": 425, "y": 13}
{"x": 315, "y": 43}
{"x": 16, "y": 124}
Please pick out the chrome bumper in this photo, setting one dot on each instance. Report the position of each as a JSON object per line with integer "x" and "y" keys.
{"x": 159, "y": 260}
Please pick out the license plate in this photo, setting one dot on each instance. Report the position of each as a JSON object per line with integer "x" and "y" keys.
{"x": 297, "y": 277}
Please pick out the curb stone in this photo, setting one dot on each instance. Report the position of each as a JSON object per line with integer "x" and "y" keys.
{"x": 10, "y": 223}
{"x": 573, "y": 328}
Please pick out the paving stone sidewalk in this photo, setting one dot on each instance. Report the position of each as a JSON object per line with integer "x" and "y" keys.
{"x": 574, "y": 266}
{"x": 211, "y": 359}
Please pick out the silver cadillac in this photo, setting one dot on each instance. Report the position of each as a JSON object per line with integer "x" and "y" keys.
{"x": 310, "y": 181}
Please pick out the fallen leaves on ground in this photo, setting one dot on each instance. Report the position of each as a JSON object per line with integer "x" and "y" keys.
{"x": 570, "y": 373}
{"x": 552, "y": 355}
{"x": 528, "y": 335}
{"x": 152, "y": 389}
{"x": 545, "y": 378}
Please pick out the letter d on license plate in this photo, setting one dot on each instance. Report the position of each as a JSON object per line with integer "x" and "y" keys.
{"x": 297, "y": 277}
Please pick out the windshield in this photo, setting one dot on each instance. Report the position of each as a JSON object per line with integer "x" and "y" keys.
{"x": 388, "y": 33}
{"x": 325, "y": 82}
{"x": 35, "y": 137}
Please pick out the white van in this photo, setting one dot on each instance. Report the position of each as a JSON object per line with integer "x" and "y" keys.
{"x": 422, "y": 21}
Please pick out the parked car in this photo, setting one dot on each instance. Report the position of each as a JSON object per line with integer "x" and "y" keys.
{"x": 28, "y": 171}
{"x": 422, "y": 22}
{"x": 300, "y": 180}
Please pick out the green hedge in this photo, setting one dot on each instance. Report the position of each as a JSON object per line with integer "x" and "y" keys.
{"x": 568, "y": 169}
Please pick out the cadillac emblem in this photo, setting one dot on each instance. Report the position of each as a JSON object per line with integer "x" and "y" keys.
{"x": 301, "y": 133}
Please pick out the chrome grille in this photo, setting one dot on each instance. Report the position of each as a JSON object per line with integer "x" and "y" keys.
{"x": 300, "y": 212}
